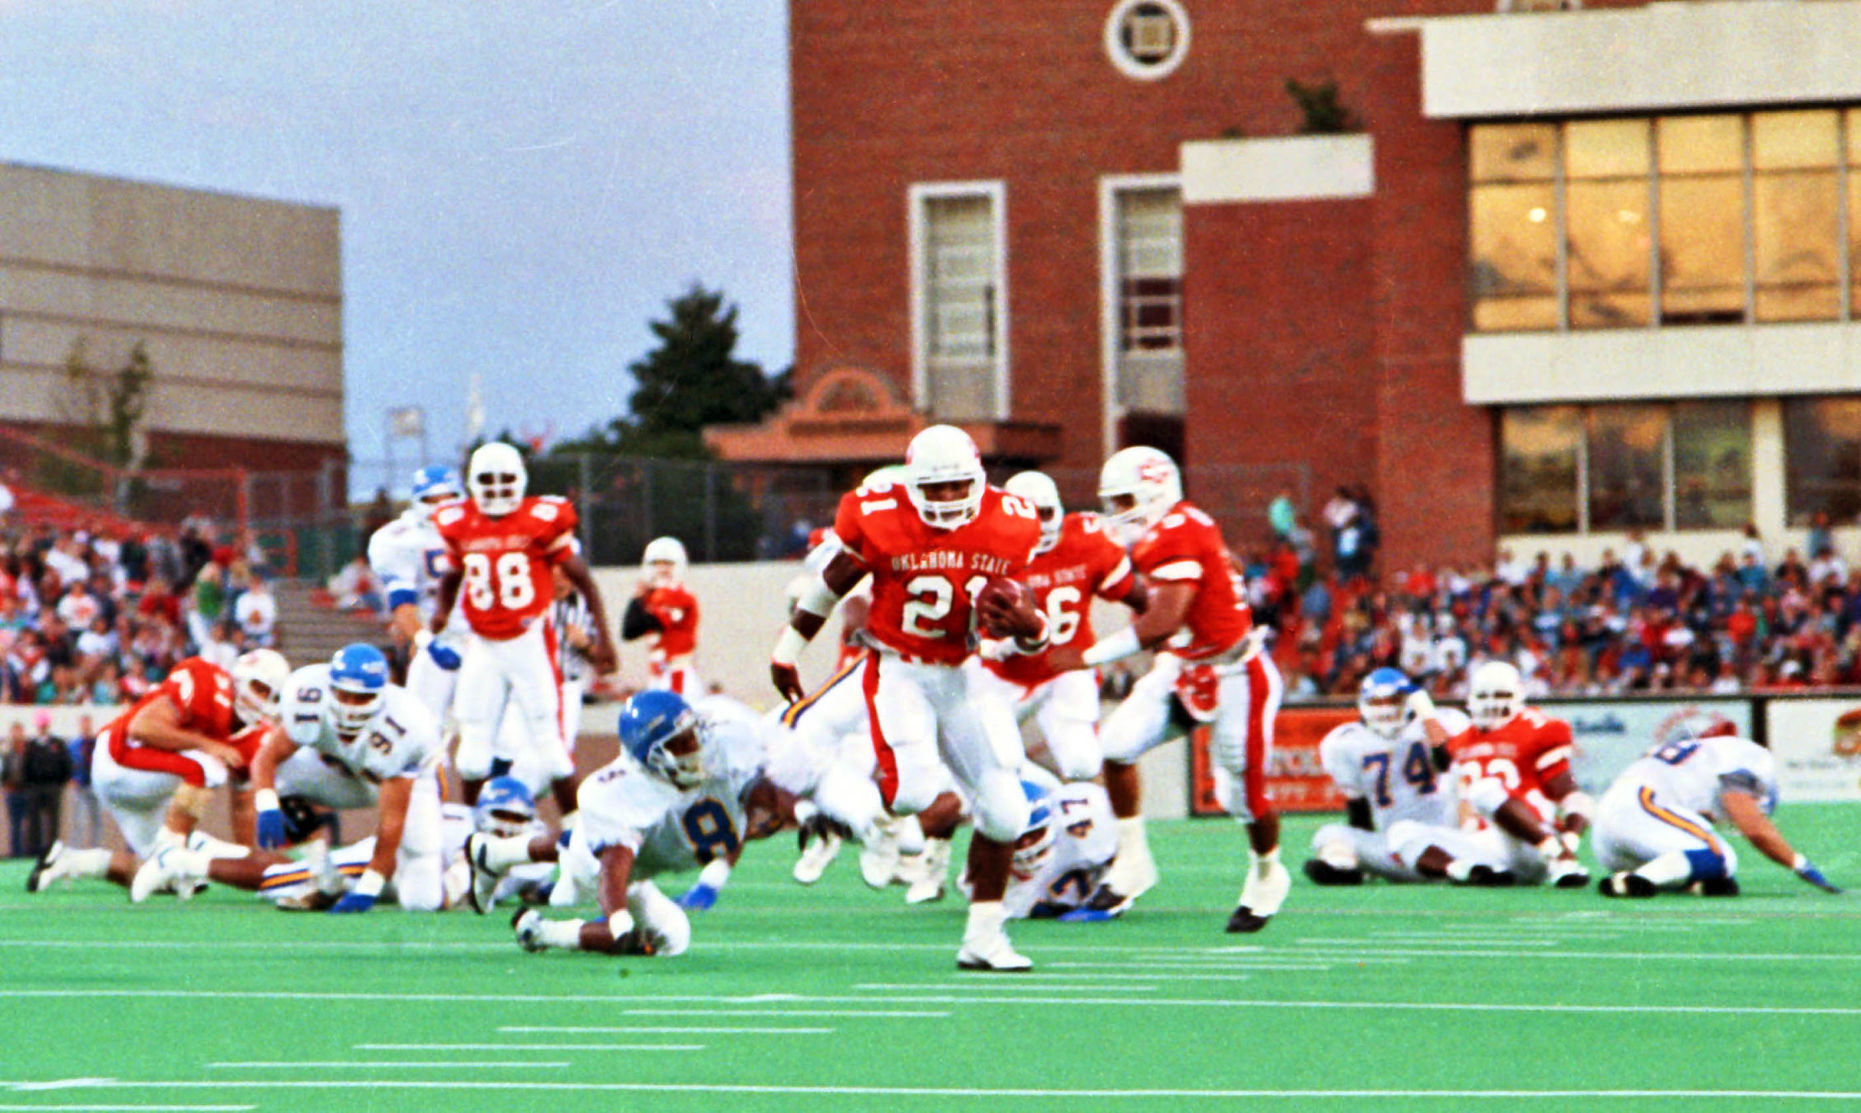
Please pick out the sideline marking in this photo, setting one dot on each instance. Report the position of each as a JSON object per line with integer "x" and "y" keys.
{"x": 931, "y": 1014}
{"x": 365, "y": 1064}
{"x": 645, "y": 1030}
{"x": 527, "y": 1047}
{"x": 954, "y": 1091}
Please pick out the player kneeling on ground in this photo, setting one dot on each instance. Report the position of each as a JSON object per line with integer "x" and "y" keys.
{"x": 687, "y": 791}
{"x": 1403, "y": 815}
{"x": 1654, "y": 827}
{"x": 1070, "y": 841}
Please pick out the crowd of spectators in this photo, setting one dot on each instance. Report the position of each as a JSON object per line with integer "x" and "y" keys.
{"x": 1636, "y": 622}
{"x": 99, "y": 618}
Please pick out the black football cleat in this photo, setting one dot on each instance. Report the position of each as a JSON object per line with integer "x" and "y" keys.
{"x": 1717, "y": 887}
{"x": 1625, "y": 885}
{"x": 1322, "y": 872}
{"x": 1486, "y": 877}
{"x": 1245, "y": 922}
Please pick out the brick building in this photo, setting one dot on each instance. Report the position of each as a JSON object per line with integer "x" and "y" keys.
{"x": 1565, "y": 274}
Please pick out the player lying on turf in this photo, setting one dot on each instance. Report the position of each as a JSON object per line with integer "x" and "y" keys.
{"x": 1654, "y": 827}
{"x": 318, "y": 879}
{"x": 1070, "y": 841}
{"x": 1403, "y": 814}
{"x": 687, "y": 791}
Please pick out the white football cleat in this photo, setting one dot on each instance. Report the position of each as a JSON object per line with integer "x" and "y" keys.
{"x": 992, "y": 952}
{"x": 158, "y": 873}
{"x": 820, "y": 853}
{"x": 484, "y": 887}
{"x": 930, "y": 873}
{"x": 529, "y": 927}
{"x": 1566, "y": 873}
{"x": 878, "y": 858}
{"x": 47, "y": 869}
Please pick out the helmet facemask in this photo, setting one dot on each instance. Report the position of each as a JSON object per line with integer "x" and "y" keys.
{"x": 944, "y": 477}
{"x": 496, "y": 479}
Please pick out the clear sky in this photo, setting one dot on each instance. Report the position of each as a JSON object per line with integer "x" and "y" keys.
{"x": 523, "y": 185}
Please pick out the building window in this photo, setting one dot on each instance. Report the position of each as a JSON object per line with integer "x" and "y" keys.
{"x": 1822, "y": 444}
{"x": 1676, "y": 220}
{"x": 1579, "y": 469}
{"x": 1147, "y": 256}
{"x": 958, "y": 305}
{"x": 1147, "y": 39}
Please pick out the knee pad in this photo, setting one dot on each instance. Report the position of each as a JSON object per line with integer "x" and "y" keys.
{"x": 920, "y": 779}
{"x": 1001, "y": 808}
{"x": 1706, "y": 865}
{"x": 1487, "y": 795}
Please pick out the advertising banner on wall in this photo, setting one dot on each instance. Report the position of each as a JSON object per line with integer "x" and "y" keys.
{"x": 1607, "y": 736}
{"x": 1817, "y": 743}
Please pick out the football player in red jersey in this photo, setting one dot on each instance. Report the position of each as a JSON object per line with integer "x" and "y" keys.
{"x": 1212, "y": 671}
{"x": 156, "y": 766}
{"x": 503, "y": 546}
{"x": 663, "y": 605}
{"x": 931, "y": 543}
{"x": 1512, "y": 766}
{"x": 1077, "y": 559}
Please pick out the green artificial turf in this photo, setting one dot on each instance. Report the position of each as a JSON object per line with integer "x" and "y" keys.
{"x": 839, "y": 997}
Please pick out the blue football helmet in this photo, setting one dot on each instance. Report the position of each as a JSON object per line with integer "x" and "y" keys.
{"x": 649, "y": 723}
{"x": 435, "y": 486}
{"x": 1379, "y": 700}
{"x": 1036, "y": 841}
{"x": 360, "y": 672}
{"x": 505, "y": 808}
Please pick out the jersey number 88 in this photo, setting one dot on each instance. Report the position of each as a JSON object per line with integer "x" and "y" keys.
{"x": 506, "y": 582}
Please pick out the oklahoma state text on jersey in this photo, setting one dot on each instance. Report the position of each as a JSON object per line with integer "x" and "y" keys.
{"x": 1185, "y": 546}
{"x": 1523, "y": 753}
{"x": 924, "y": 579}
{"x": 202, "y": 690}
{"x": 506, "y": 560}
{"x": 1085, "y": 562}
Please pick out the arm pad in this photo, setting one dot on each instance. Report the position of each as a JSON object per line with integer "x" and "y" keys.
{"x": 1576, "y": 803}
{"x": 817, "y": 597}
{"x": 1487, "y": 795}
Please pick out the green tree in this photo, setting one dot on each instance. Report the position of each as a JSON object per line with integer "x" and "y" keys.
{"x": 104, "y": 410}
{"x": 647, "y": 472}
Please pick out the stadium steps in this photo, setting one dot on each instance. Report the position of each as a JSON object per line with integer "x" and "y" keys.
{"x": 311, "y": 628}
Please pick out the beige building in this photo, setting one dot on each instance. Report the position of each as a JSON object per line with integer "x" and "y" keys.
{"x": 236, "y": 300}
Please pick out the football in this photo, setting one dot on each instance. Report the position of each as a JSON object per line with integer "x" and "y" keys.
{"x": 1000, "y": 594}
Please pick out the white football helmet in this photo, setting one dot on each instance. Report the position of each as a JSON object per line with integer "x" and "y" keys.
{"x": 259, "y": 677}
{"x": 1149, "y": 478}
{"x": 944, "y": 454}
{"x": 1038, "y": 489}
{"x": 496, "y": 478}
{"x": 669, "y": 551}
{"x": 1495, "y": 693}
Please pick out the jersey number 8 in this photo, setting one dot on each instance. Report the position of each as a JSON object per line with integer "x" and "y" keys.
{"x": 507, "y": 582}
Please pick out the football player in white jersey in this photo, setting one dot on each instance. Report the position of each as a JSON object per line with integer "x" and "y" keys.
{"x": 409, "y": 557}
{"x": 1403, "y": 816}
{"x": 1654, "y": 828}
{"x": 1070, "y": 841}
{"x": 350, "y": 739}
{"x": 686, "y": 792}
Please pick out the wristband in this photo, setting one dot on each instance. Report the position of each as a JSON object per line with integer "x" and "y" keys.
{"x": 1039, "y": 641}
{"x": 423, "y": 637}
{"x": 1422, "y": 704}
{"x": 620, "y": 924}
{"x": 788, "y": 647}
{"x": 1115, "y": 648}
{"x": 1797, "y": 863}
{"x": 266, "y": 800}
{"x": 369, "y": 884}
{"x": 715, "y": 873}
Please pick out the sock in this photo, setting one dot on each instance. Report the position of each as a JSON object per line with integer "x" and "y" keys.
{"x": 1262, "y": 864}
{"x": 910, "y": 835}
{"x": 986, "y": 918}
{"x": 84, "y": 863}
{"x": 215, "y": 848}
{"x": 1459, "y": 869}
{"x": 167, "y": 837}
{"x": 1667, "y": 870}
{"x": 562, "y": 934}
{"x": 502, "y": 854}
{"x": 1131, "y": 840}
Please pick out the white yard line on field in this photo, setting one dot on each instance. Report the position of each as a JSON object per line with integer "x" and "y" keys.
{"x": 367, "y": 1064}
{"x": 529, "y": 1047}
{"x": 654, "y": 1030}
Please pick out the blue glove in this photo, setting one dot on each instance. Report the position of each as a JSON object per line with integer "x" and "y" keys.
{"x": 353, "y": 901}
{"x": 1086, "y": 916}
{"x": 1808, "y": 872}
{"x": 444, "y": 656}
{"x": 270, "y": 829}
{"x": 698, "y": 898}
